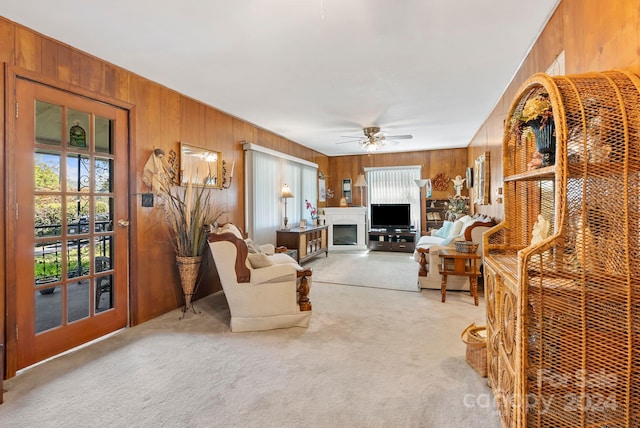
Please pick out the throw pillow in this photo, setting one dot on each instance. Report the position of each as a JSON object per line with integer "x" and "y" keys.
{"x": 259, "y": 260}
{"x": 268, "y": 249}
{"x": 455, "y": 229}
{"x": 443, "y": 232}
{"x": 465, "y": 218}
{"x": 230, "y": 228}
{"x": 251, "y": 246}
{"x": 282, "y": 258}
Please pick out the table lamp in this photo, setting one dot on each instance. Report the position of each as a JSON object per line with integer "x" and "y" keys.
{"x": 286, "y": 194}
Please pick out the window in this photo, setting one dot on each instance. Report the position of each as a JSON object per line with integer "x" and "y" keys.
{"x": 267, "y": 171}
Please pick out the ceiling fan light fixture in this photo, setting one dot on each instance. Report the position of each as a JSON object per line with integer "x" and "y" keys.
{"x": 375, "y": 140}
{"x": 371, "y": 146}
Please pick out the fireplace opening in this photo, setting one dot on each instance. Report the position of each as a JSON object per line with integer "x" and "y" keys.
{"x": 345, "y": 234}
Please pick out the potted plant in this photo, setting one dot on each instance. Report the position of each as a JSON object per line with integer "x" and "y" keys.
{"x": 457, "y": 207}
{"x": 189, "y": 212}
{"x": 313, "y": 211}
{"x": 537, "y": 117}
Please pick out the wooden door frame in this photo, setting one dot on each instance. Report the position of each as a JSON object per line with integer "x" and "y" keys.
{"x": 8, "y": 322}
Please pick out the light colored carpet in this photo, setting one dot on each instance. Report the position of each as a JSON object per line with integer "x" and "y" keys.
{"x": 370, "y": 358}
{"x": 378, "y": 269}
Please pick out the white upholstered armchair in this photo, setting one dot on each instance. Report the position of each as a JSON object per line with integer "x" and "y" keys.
{"x": 427, "y": 252}
{"x": 265, "y": 298}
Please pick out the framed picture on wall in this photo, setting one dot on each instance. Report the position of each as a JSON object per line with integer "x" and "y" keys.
{"x": 322, "y": 190}
{"x": 481, "y": 180}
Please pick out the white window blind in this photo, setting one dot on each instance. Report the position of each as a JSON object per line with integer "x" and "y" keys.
{"x": 266, "y": 172}
{"x": 395, "y": 185}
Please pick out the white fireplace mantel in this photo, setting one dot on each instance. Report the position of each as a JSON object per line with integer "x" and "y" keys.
{"x": 347, "y": 216}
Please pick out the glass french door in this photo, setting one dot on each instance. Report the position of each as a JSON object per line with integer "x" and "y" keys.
{"x": 70, "y": 167}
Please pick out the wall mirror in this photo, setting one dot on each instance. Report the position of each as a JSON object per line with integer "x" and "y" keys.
{"x": 200, "y": 167}
{"x": 481, "y": 179}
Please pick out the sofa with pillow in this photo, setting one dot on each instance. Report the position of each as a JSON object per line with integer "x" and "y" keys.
{"x": 265, "y": 289}
{"x": 466, "y": 228}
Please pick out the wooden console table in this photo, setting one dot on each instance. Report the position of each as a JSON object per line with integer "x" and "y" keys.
{"x": 453, "y": 262}
{"x": 308, "y": 241}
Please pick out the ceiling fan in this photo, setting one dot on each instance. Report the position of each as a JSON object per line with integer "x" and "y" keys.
{"x": 374, "y": 139}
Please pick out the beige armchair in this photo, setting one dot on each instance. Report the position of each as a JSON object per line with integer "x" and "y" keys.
{"x": 265, "y": 298}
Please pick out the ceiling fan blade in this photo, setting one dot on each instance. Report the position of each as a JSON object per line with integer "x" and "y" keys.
{"x": 350, "y": 142}
{"x": 399, "y": 137}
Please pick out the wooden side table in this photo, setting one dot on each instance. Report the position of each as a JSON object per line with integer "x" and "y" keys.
{"x": 453, "y": 262}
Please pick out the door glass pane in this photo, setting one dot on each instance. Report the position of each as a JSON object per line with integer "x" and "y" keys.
{"x": 78, "y": 173}
{"x": 78, "y": 257}
{"x": 103, "y": 175}
{"x": 103, "y": 289}
{"x": 47, "y": 172}
{"x": 103, "y": 135}
{"x": 48, "y": 215}
{"x": 78, "y": 129}
{"x": 78, "y": 300}
{"x": 103, "y": 213}
{"x": 48, "y": 313}
{"x": 102, "y": 248}
{"x": 47, "y": 258}
{"x": 77, "y": 214}
{"x": 48, "y": 123}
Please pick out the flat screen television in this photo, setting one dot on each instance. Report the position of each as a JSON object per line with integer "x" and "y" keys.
{"x": 391, "y": 216}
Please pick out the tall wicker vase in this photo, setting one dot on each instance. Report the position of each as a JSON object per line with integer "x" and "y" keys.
{"x": 188, "y": 268}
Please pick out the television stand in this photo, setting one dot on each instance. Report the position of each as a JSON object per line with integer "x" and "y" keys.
{"x": 401, "y": 240}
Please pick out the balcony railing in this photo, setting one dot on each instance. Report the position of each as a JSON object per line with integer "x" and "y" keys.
{"x": 48, "y": 255}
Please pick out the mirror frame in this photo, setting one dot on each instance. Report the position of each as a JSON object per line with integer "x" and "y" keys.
{"x": 481, "y": 180}
{"x": 210, "y": 160}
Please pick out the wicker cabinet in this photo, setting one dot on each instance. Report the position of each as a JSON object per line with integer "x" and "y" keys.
{"x": 563, "y": 313}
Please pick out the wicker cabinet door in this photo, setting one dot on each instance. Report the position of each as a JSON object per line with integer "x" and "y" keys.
{"x": 506, "y": 392}
{"x": 493, "y": 330}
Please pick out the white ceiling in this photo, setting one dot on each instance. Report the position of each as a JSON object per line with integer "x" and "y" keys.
{"x": 314, "y": 70}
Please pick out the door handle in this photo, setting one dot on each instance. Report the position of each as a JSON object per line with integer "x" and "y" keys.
{"x": 123, "y": 223}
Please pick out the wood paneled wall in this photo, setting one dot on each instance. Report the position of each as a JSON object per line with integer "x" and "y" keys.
{"x": 160, "y": 118}
{"x": 451, "y": 162}
{"x": 594, "y": 36}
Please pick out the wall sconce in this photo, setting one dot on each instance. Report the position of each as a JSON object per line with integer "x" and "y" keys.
{"x": 227, "y": 183}
{"x": 285, "y": 193}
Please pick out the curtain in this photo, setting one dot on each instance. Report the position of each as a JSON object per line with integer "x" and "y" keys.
{"x": 266, "y": 172}
{"x": 395, "y": 185}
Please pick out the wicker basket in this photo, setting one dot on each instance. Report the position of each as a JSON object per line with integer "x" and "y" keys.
{"x": 466, "y": 246}
{"x": 476, "y": 348}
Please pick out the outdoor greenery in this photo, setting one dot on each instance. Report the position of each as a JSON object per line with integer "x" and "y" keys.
{"x": 48, "y": 208}
{"x": 49, "y": 264}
